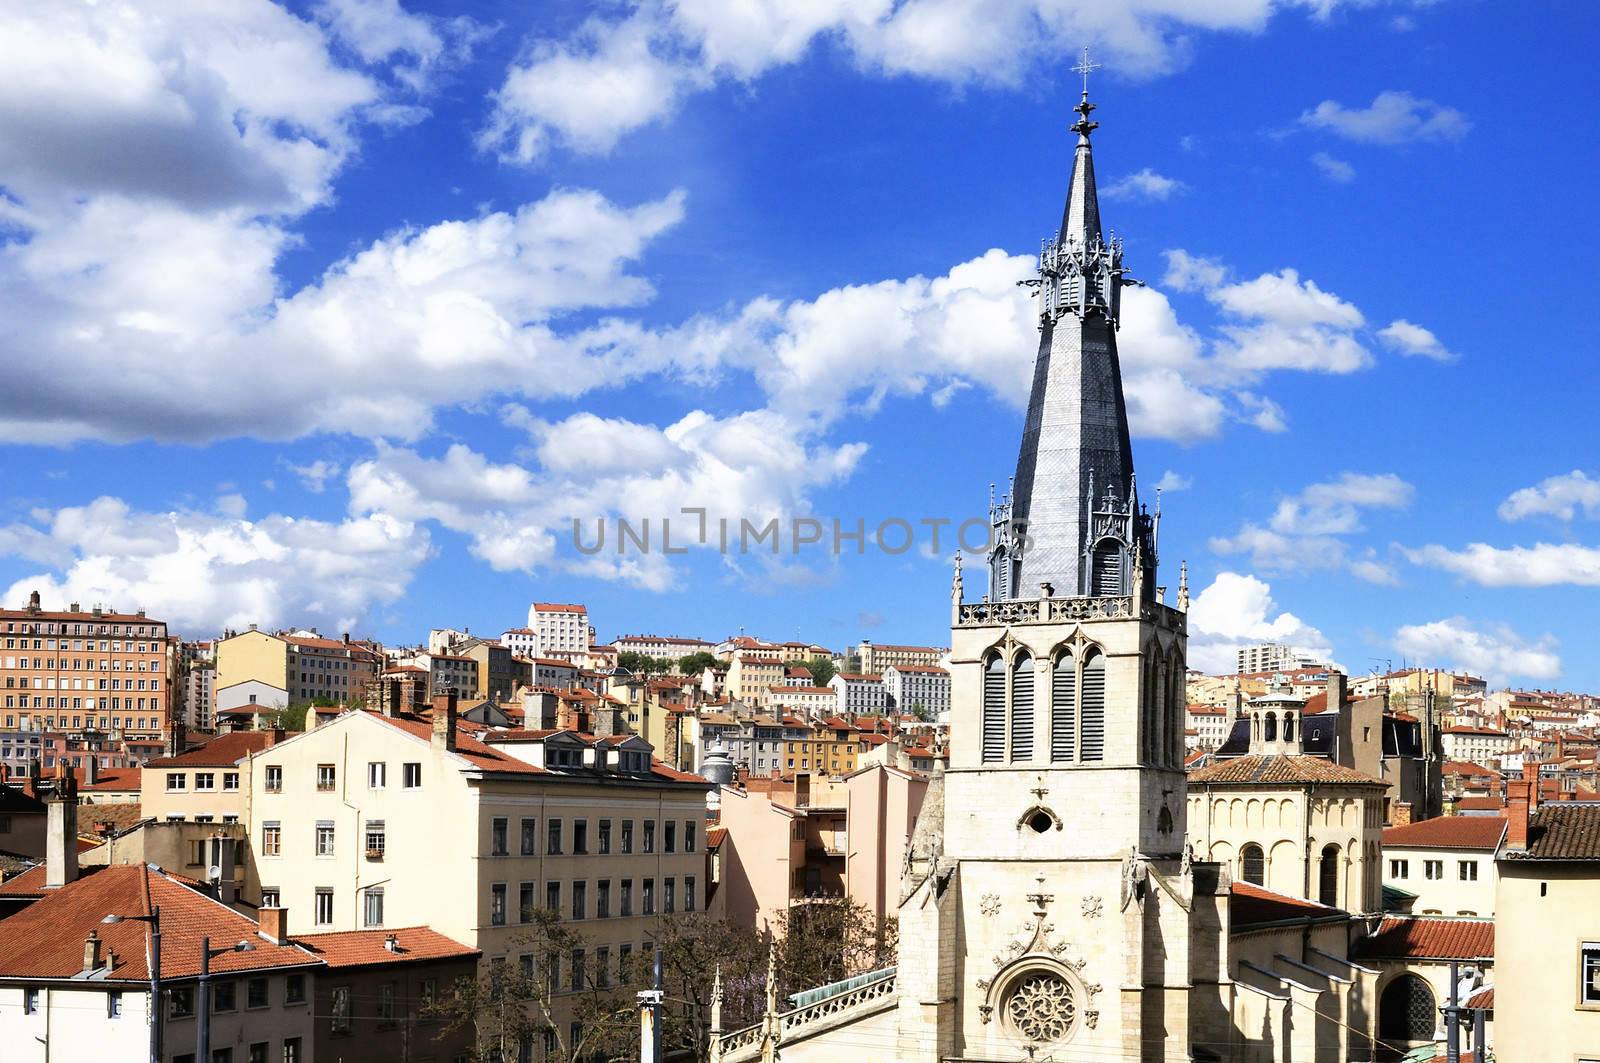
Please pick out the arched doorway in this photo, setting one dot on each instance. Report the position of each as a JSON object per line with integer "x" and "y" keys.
{"x": 1407, "y": 1010}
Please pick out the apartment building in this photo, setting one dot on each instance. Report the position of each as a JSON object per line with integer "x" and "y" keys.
{"x": 1446, "y": 864}
{"x": 807, "y": 700}
{"x": 751, "y": 678}
{"x": 375, "y": 821}
{"x": 1480, "y": 745}
{"x": 1273, "y": 657}
{"x": 859, "y": 693}
{"x": 198, "y": 692}
{"x": 878, "y": 658}
{"x": 1209, "y": 724}
{"x": 206, "y": 785}
{"x": 84, "y": 670}
{"x": 668, "y": 646}
{"x": 914, "y": 687}
{"x": 559, "y": 629}
{"x": 302, "y": 664}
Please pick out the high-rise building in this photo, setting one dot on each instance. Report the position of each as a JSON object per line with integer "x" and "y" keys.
{"x": 1273, "y": 657}
{"x": 81, "y": 670}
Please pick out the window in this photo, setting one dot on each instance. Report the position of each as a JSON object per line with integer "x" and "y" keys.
{"x": 258, "y": 1051}
{"x": 205, "y": 780}
{"x": 575, "y": 971}
{"x": 30, "y": 1002}
{"x": 114, "y": 1004}
{"x": 325, "y": 777}
{"x": 177, "y": 780}
{"x": 669, "y": 888}
{"x": 1589, "y": 986}
{"x": 255, "y": 993}
{"x": 322, "y": 910}
{"x": 372, "y": 908}
{"x": 627, "y": 836}
{"x": 377, "y": 839}
{"x": 1328, "y": 876}
{"x": 669, "y": 837}
{"x": 377, "y": 774}
{"x": 553, "y": 846}
{"x": 230, "y": 780}
{"x": 291, "y": 1050}
{"x": 602, "y": 899}
{"x": 604, "y": 837}
{"x": 269, "y": 897}
{"x": 386, "y": 1002}
{"x": 271, "y": 838}
{"x": 1406, "y": 1010}
{"x": 649, "y": 845}
{"x": 552, "y": 896}
{"x": 649, "y": 902}
{"x": 1092, "y": 706}
{"x": 580, "y": 837}
{"x": 580, "y": 900}
{"x": 497, "y": 904}
{"x": 1399, "y": 869}
{"x": 688, "y": 893}
{"x": 1253, "y": 865}
{"x": 222, "y": 1055}
{"x": 1433, "y": 869}
{"x": 626, "y": 898}
{"x": 602, "y": 967}
{"x": 180, "y": 1002}
{"x": 324, "y": 837}
{"x": 688, "y": 835}
{"x": 525, "y": 903}
{"x": 341, "y": 1009}
{"x": 499, "y": 845}
{"x": 1022, "y": 671}
{"x": 411, "y": 776}
{"x": 530, "y": 837}
{"x": 224, "y": 996}
{"x": 1468, "y": 870}
{"x": 294, "y": 989}
{"x": 273, "y": 779}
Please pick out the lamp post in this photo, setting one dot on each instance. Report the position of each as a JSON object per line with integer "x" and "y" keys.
{"x": 154, "y": 919}
{"x": 203, "y": 998}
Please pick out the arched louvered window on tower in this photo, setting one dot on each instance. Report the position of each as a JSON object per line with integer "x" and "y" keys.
{"x": 1063, "y": 708}
{"x": 1108, "y": 569}
{"x": 994, "y": 711}
{"x": 1092, "y": 706}
{"x": 1022, "y": 708}
{"x": 1147, "y": 717}
{"x": 1175, "y": 706}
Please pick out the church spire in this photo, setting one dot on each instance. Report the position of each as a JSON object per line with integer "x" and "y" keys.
{"x": 1073, "y": 518}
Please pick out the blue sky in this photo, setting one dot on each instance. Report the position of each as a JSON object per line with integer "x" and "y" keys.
{"x": 338, "y": 314}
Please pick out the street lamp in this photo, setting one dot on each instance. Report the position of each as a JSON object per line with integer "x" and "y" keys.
{"x": 154, "y": 919}
{"x": 203, "y": 998}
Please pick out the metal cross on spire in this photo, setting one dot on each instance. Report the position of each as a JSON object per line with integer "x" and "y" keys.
{"x": 1085, "y": 67}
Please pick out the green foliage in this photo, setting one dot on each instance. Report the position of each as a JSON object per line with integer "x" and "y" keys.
{"x": 696, "y": 663}
{"x": 922, "y": 712}
{"x": 643, "y": 664}
{"x": 822, "y": 671}
{"x": 293, "y": 718}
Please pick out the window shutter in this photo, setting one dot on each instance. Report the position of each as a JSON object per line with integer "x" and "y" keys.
{"x": 994, "y": 711}
{"x": 1063, "y": 708}
{"x": 1022, "y": 708}
{"x": 1092, "y": 712}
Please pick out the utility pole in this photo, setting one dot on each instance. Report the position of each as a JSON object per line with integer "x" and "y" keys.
{"x": 1452, "y": 1017}
{"x": 650, "y": 1017}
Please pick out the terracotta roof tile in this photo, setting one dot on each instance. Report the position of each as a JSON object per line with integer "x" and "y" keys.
{"x": 1276, "y": 768}
{"x": 1448, "y": 832}
{"x": 1250, "y": 905}
{"x": 221, "y": 752}
{"x": 1482, "y": 999}
{"x": 1429, "y": 938}
{"x": 365, "y": 948}
{"x": 475, "y": 752}
{"x": 1562, "y": 831}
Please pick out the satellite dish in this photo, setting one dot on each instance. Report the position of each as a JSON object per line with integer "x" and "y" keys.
{"x": 214, "y": 873}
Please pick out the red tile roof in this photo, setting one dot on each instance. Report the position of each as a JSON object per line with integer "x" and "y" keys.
{"x": 45, "y": 939}
{"x": 1429, "y": 938}
{"x": 1448, "y": 832}
{"x": 473, "y": 751}
{"x": 1275, "y": 768}
{"x": 367, "y": 948}
{"x": 1479, "y": 804}
{"x": 1562, "y": 831}
{"x": 715, "y": 836}
{"x": 1250, "y": 905}
{"x": 556, "y": 607}
{"x": 109, "y": 779}
{"x": 1467, "y": 767}
{"x": 1483, "y": 998}
{"x": 222, "y": 751}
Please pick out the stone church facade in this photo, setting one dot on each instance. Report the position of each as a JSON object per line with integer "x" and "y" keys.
{"x": 1051, "y": 907}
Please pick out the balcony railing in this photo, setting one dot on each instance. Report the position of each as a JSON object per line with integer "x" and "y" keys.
{"x": 1060, "y": 610}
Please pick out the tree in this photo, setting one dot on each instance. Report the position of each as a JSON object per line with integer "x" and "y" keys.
{"x": 511, "y": 1005}
{"x": 642, "y": 663}
{"x": 822, "y": 671}
{"x": 293, "y": 718}
{"x": 922, "y": 712}
{"x": 829, "y": 938}
{"x": 696, "y": 663}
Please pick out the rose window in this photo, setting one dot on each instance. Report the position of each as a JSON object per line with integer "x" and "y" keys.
{"x": 1041, "y": 1007}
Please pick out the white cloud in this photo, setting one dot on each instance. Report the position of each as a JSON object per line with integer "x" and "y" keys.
{"x": 1284, "y": 299}
{"x": 1334, "y": 169}
{"x": 1172, "y": 481}
{"x": 596, "y": 471}
{"x": 1494, "y": 651}
{"x": 613, "y": 76}
{"x": 1401, "y": 335}
{"x": 379, "y": 30}
{"x": 314, "y": 475}
{"x": 1145, "y": 184}
{"x": 202, "y": 572}
{"x": 1236, "y": 610}
{"x": 1540, "y": 565}
{"x": 1193, "y": 273}
{"x": 1305, "y": 530}
{"x": 1392, "y": 118}
{"x": 1555, "y": 496}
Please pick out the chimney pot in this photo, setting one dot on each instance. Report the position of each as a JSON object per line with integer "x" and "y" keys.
{"x": 272, "y": 923}
{"x": 91, "y": 952}
{"x": 392, "y": 943}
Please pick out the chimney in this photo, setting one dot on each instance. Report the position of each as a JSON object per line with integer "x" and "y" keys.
{"x": 444, "y": 721}
{"x": 73, "y": 608}
{"x": 274, "y": 736}
{"x": 1517, "y": 811}
{"x": 347, "y": 638}
{"x": 91, "y": 770}
{"x": 1400, "y": 814}
{"x": 61, "y": 833}
{"x": 91, "y": 952}
{"x": 33, "y": 602}
{"x": 252, "y": 627}
{"x": 1337, "y": 684}
{"x": 1530, "y": 775}
{"x": 392, "y": 943}
{"x": 273, "y": 924}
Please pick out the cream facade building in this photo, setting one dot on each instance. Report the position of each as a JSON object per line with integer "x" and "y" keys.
{"x": 1447, "y": 863}
{"x": 302, "y": 664}
{"x": 556, "y": 628}
{"x": 387, "y": 821}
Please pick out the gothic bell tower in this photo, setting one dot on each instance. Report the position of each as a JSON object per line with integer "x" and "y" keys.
{"x": 1067, "y": 894}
